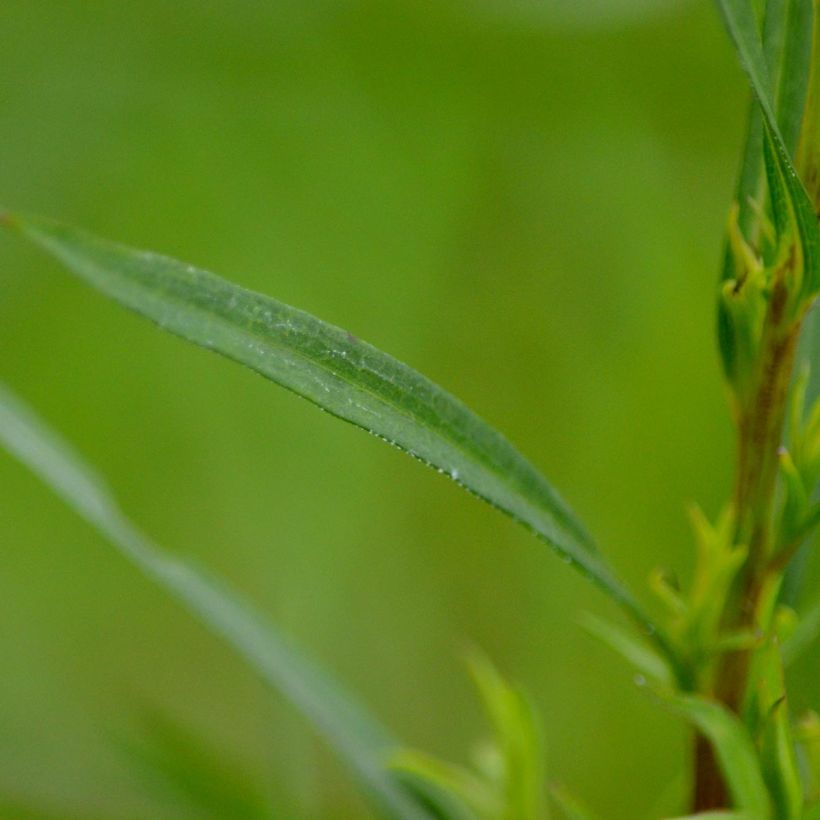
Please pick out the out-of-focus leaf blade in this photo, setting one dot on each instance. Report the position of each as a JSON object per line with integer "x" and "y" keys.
{"x": 507, "y": 781}
{"x": 778, "y": 754}
{"x": 440, "y": 802}
{"x": 804, "y": 635}
{"x": 519, "y": 741}
{"x": 570, "y": 806}
{"x": 336, "y": 371}
{"x": 467, "y": 794}
{"x": 363, "y": 744}
{"x": 641, "y": 656}
{"x": 734, "y": 749}
{"x": 179, "y": 764}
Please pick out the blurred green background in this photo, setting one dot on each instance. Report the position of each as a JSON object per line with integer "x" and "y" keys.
{"x": 522, "y": 200}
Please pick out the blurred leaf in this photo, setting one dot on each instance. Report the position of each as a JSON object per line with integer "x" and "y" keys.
{"x": 173, "y": 758}
{"x": 508, "y": 782}
{"x": 717, "y": 815}
{"x": 807, "y": 733}
{"x": 804, "y": 635}
{"x": 463, "y": 788}
{"x": 519, "y": 740}
{"x": 733, "y": 748}
{"x": 641, "y": 656}
{"x": 740, "y": 21}
{"x": 777, "y": 748}
{"x": 571, "y": 807}
{"x": 343, "y": 375}
{"x": 437, "y": 797}
{"x": 362, "y": 743}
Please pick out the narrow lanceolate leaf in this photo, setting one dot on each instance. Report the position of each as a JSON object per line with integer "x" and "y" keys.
{"x": 642, "y": 657}
{"x": 734, "y": 749}
{"x": 795, "y": 71}
{"x": 336, "y": 371}
{"x": 740, "y": 21}
{"x": 748, "y": 182}
{"x": 361, "y": 742}
{"x": 778, "y": 754}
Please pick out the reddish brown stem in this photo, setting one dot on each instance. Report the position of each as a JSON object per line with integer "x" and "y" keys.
{"x": 760, "y": 424}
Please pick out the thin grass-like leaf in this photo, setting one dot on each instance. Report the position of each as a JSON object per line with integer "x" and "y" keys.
{"x": 748, "y": 181}
{"x": 520, "y": 744}
{"x": 361, "y": 742}
{"x": 795, "y": 70}
{"x": 642, "y": 657}
{"x": 338, "y": 372}
{"x": 742, "y": 26}
{"x": 182, "y": 766}
{"x": 778, "y": 753}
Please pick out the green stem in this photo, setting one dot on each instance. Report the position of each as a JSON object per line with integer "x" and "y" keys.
{"x": 760, "y": 419}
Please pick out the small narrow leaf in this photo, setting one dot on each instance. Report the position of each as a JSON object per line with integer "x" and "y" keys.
{"x": 642, "y": 657}
{"x": 519, "y": 741}
{"x": 795, "y": 71}
{"x": 742, "y": 26}
{"x": 362, "y": 743}
{"x": 507, "y": 782}
{"x": 734, "y": 749}
{"x": 341, "y": 374}
{"x": 777, "y": 748}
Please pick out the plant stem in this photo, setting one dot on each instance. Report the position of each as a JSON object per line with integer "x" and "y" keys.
{"x": 760, "y": 419}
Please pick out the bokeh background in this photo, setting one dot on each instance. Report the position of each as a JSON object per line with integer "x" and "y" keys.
{"x": 523, "y": 200}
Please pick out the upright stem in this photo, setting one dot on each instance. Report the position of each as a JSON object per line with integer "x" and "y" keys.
{"x": 760, "y": 418}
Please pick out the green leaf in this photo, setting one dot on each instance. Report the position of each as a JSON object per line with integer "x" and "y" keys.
{"x": 173, "y": 759}
{"x": 742, "y": 26}
{"x": 777, "y": 748}
{"x": 734, "y": 749}
{"x": 362, "y": 743}
{"x": 468, "y": 795}
{"x": 807, "y": 733}
{"x": 642, "y": 657}
{"x": 339, "y": 373}
{"x": 508, "y": 780}
{"x": 804, "y": 635}
{"x": 795, "y": 70}
{"x": 519, "y": 742}
{"x": 571, "y": 807}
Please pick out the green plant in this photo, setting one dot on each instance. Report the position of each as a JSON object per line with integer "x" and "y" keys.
{"x": 717, "y": 654}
